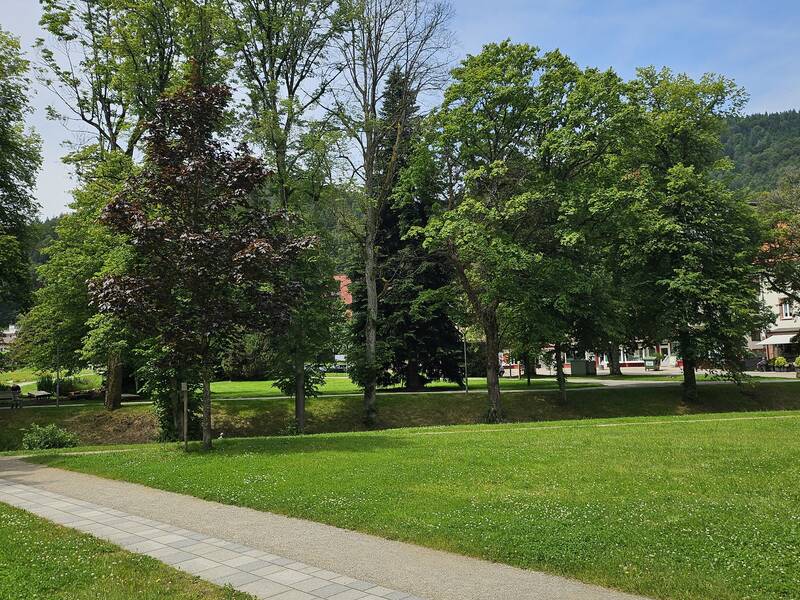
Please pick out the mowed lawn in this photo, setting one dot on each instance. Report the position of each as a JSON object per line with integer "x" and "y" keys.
{"x": 339, "y": 383}
{"x": 688, "y": 507}
{"x": 41, "y": 560}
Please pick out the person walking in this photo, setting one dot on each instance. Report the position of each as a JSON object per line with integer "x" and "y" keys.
{"x": 16, "y": 396}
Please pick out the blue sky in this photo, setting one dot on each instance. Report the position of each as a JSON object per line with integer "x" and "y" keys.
{"x": 755, "y": 43}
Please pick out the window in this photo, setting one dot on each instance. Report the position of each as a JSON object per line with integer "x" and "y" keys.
{"x": 786, "y": 309}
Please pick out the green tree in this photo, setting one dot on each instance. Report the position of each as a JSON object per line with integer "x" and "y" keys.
{"x": 700, "y": 240}
{"x": 522, "y": 137}
{"x": 297, "y": 354}
{"x": 53, "y": 332}
{"x": 20, "y": 159}
{"x": 378, "y": 36}
{"x": 418, "y": 341}
{"x": 108, "y": 62}
{"x": 779, "y": 258}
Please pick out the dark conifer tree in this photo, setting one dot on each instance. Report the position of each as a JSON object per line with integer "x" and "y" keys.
{"x": 417, "y": 341}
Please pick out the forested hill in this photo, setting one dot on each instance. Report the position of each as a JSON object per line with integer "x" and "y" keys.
{"x": 762, "y": 146}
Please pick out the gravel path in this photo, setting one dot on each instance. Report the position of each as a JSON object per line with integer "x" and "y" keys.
{"x": 268, "y": 555}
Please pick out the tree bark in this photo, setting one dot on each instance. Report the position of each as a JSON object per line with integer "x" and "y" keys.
{"x": 370, "y": 327}
{"x": 177, "y": 413}
{"x": 206, "y": 409}
{"x": 113, "y": 398}
{"x": 560, "y": 377}
{"x": 414, "y": 382}
{"x": 491, "y": 332}
{"x": 689, "y": 369}
{"x": 527, "y": 360}
{"x": 613, "y": 360}
{"x": 300, "y": 394}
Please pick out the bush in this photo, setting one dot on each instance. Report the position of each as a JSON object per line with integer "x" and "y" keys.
{"x": 47, "y": 383}
{"x": 797, "y": 363}
{"x": 47, "y": 437}
{"x": 780, "y": 362}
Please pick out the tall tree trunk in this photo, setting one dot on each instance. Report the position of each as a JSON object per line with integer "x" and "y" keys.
{"x": 177, "y": 412}
{"x": 560, "y": 377}
{"x": 206, "y": 409}
{"x": 370, "y": 327}
{"x": 300, "y": 394}
{"x": 114, "y": 381}
{"x": 491, "y": 332}
{"x": 613, "y": 360}
{"x": 527, "y": 360}
{"x": 414, "y": 382}
{"x": 689, "y": 369}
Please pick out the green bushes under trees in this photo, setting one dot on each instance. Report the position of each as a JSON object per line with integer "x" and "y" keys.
{"x": 38, "y": 437}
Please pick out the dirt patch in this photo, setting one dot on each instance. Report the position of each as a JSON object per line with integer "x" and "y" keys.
{"x": 113, "y": 427}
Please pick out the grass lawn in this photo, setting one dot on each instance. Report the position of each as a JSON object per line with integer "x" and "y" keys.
{"x": 41, "y": 560}
{"x": 336, "y": 383}
{"x": 271, "y": 416}
{"x": 689, "y": 507}
{"x": 87, "y": 379}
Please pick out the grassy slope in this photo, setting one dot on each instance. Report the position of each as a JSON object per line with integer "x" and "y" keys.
{"x": 41, "y": 560}
{"x": 237, "y": 418}
{"x": 683, "y": 507}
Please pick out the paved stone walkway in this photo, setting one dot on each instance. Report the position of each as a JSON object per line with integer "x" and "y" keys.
{"x": 222, "y": 562}
{"x": 269, "y": 555}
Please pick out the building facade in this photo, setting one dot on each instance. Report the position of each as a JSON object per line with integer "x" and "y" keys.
{"x": 780, "y": 339}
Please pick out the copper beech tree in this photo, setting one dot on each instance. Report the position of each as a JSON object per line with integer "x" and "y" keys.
{"x": 208, "y": 252}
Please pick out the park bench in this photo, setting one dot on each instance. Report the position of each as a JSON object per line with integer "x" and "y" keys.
{"x": 5, "y": 397}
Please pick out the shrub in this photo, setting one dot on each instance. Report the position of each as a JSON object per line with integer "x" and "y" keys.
{"x": 797, "y": 362}
{"x": 47, "y": 383}
{"x": 780, "y": 362}
{"x": 49, "y": 436}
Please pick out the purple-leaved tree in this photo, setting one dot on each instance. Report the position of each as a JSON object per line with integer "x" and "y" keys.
{"x": 208, "y": 252}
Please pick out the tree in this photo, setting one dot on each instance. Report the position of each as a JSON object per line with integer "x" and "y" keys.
{"x": 208, "y": 256}
{"x": 779, "y": 258}
{"x": 701, "y": 239}
{"x": 521, "y": 138}
{"x": 20, "y": 159}
{"x": 107, "y": 62}
{"x": 283, "y": 49}
{"x": 113, "y": 61}
{"x": 298, "y": 354}
{"x": 283, "y": 52}
{"x": 53, "y": 332}
{"x": 378, "y": 36}
{"x": 418, "y": 340}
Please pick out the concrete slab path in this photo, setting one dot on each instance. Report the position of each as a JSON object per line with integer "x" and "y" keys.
{"x": 269, "y": 555}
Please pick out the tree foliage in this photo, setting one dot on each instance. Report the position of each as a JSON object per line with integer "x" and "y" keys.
{"x": 208, "y": 255}
{"x": 20, "y": 159}
{"x": 700, "y": 240}
{"x": 779, "y": 258}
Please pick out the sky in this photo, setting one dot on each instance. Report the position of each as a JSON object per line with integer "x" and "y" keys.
{"x": 755, "y": 42}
